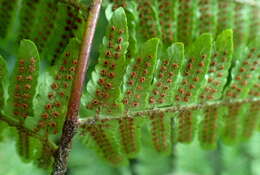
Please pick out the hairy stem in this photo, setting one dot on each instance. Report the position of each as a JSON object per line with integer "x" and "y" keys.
{"x": 71, "y": 123}
{"x": 172, "y": 108}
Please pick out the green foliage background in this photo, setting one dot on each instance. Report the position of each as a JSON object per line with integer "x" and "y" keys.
{"x": 189, "y": 159}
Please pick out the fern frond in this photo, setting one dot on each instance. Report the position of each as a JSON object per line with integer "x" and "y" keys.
{"x": 140, "y": 72}
{"x": 240, "y": 24}
{"x": 7, "y": 15}
{"x": 68, "y": 24}
{"x": 216, "y": 80}
{"x": 51, "y": 116}
{"x": 103, "y": 90}
{"x": 186, "y": 21}
{"x": 225, "y": 15}
{"x": 243, "y": 76}
{"x": 207, "y": 19}
{"x": 101, "y": 136}
{"x": 24, "y": 82}
{"x": 254, "y": 27}
{"x": 51, "y": 26}
{"x": 193, "y": 79}
{"x": 148, "y": 16}
{"x": 29, "y": 148}
{"x": 160, "y": 131}
{"x": 195, "y": 69}
{"x": 167, "y": 75}
{"x": 167, "y": 19}
{"x": 29, "y": 11}
{"x": 129, "y": 133}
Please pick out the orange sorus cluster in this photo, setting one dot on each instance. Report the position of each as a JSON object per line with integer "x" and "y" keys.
{"x": 239, "y": 23}
{"x": 230, "y": 130}
{"x": 248, "y": 66}
{"x": 254, "y": 21}
{"x": 22, "y": 91}
{"x": 250, "y": 121}
{"x": 119, "y": 3}
{"x": 72, "y": 22}
{"x": 208, "y": 130}
{"x": 166, "y": 14}
{"x": 185, "y": 21}
{"x": 47, "y": 24}
{"x": 255, "y": 90}
{"x": 27, "y": 18}
{"x": 111, "y": 71}
{"x": 185, "y": 91}
{"x": 6, "y": 10}
{"x": 159, "y": 132}
{"x": 216, "y": 74}
{"x": 127, "y": 127}
{"x": 205, "y": 23}
{"x": 58, "y": 96}
{"x": 100, "y": 136}
{"x": 164, "y": 81}
{"x": 185, "y": 126}
{"x": 224, "y": 9}
{"x": 137, "y": 80}
{"x": 147, "y": 19}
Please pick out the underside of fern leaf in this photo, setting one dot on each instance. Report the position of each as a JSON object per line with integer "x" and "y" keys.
{"x": 103, "y": 90}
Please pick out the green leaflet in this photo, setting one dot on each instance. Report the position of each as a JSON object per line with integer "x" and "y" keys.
{"x": 251, "y": 117}
{"x": 3, "y": 75}
{"x": 132, "y": 19}
{"x": 207, "y": 19}
{"x": 161, "y": 132}
{"x": 7, "y": 13}
{"x": 216, "y": 80}
{"x": 241, "y": 22}
{"x": 225, "y": 15}
{"x": 30, "y": 11}
{"x": 43, "y": 23}
{"x": 166, "y": 77}
{"x": 129, "y": 134}
{"x": 137, "y": 81}
{"x": 28, "y": 147}
{"x": 46, "y": 159}
{"x": 192, "y": 83}
{"x": 219, "y": 67}
{"x": 24, "y": 82}
{"x": 51, "y": 116}
{"x": 244, "y": 74}
{"x": 186, "y": 21}
{"x": 68, "y": 24}
{"x": 101, "y": 136}
{"x": 50, "y": 24}
{"x": 195, "y": 70}
{"x": 254, "y": 27}
{"x": 103, "y": 90}
{"x": 167, "y": 19}
{"x": 208, "y": 128}
{"x": 250, "y": 120}
{"x": 148, "y": 16}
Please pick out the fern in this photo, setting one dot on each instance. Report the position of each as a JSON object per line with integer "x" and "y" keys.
{"x": 219, "y": 66}
{"x": 159, "y": 75}
{"x": 103, "y": 90}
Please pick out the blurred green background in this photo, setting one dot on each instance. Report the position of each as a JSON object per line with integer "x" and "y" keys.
{"x": 242, "y": 159}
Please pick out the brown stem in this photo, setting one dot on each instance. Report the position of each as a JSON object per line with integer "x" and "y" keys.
{"x": 71, "y": 123}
